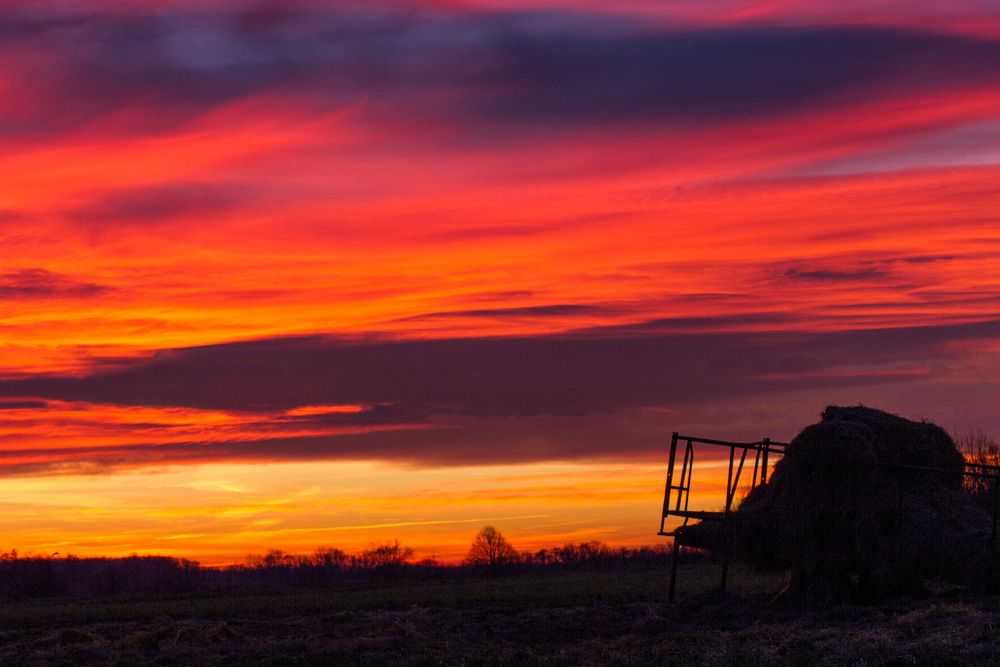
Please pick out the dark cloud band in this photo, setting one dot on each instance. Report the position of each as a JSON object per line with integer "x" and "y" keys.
{"x": 585, "y": 373}
{"x": 478, "y": 72}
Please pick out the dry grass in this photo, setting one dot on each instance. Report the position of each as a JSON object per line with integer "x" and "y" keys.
{"x": 547, "y": 618}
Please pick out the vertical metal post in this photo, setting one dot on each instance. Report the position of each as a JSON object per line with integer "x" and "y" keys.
{"x": 996, "y": 510}
{"x": 756, "y": 468}
{"x": 729, "y": 479}
{"x": 731, "y": 492}
{"x": 763, "y": 467}
{"x": 666, "y": 506}
{"x": 673, "y": 570}
{"x": 670, "y": 480}
{"x": 686, "y": 473}
{"x": 725, "y": 523}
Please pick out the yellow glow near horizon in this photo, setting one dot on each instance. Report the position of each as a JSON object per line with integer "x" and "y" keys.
{"x": 220, "y": 513}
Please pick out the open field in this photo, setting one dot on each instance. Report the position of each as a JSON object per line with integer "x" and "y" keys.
{"x": 550, "y": 617}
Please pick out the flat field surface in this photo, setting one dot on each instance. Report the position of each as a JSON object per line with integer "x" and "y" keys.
{"x": 542, "y": 618}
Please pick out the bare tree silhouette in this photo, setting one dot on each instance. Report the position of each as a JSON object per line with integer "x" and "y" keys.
{"x": 491, "y": 548}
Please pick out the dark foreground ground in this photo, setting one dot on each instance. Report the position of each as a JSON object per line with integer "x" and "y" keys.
{"x": 546, "y": 618}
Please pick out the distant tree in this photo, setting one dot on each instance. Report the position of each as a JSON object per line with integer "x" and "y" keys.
{"x": 386, "y": 556}
{"x": 593, "y": 550}
{"x": 274, "y": 558}
{"x": 330, "y": 558}
{"x": 491, "y": 548}
{"x": 567, "y": 554}
{"x": 584, "y": 552}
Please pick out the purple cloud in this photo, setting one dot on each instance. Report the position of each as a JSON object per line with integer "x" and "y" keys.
{"x": 43, "y": 284}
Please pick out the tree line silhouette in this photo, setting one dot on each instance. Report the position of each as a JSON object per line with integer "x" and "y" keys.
{"x": 32, "y": 576}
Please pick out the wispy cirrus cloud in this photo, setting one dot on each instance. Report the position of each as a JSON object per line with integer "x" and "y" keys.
{"x": 833, "y": 275}
{"x": 162, "y": 203}
{"x": 544, "y": 311}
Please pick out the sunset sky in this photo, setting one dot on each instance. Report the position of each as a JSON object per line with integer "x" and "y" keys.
{"x": 298, "y": 273}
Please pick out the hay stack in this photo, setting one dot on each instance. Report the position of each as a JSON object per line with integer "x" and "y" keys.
{"x": 846, "y": 525}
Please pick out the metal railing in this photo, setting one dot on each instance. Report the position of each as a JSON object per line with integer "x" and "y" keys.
{"x": 676, "y": 497}
{"x": 981, "y": 478}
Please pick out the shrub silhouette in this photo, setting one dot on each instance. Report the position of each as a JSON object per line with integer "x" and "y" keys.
{"x": 329, "y": 558}
{"x": 386, "y": 557}
{"x": 491, "y": 548}
{"x": 584, "y": 552}
{"x": 36, "y": 576}
{"x": 274, "y": 559}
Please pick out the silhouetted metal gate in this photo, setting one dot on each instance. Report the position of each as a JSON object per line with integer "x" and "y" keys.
{"x": 677, "y": 494}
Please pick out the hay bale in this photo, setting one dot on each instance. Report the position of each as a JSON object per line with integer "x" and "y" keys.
{"x": 842, "y": 515}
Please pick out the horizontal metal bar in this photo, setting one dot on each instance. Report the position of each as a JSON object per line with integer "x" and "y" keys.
{"x": 947, "y": 471}
{"x": 779, "y": 447}
{"x": 695, "y": 514}
{"x": 981, "y": 475}
{"x": 983, "y": 466}
{"x": 776, "y": 447}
